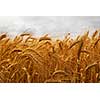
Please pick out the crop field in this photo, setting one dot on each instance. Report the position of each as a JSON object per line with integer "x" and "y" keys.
{"x": 27, "y": 59}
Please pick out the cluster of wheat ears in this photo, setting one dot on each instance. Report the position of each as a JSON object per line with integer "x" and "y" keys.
{"x": 27, "y": 59}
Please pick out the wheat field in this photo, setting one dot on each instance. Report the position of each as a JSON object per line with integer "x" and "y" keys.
{"x": 27, "y": 59}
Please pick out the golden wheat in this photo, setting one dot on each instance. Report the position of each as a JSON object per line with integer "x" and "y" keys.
{"x": 27, "y": 59}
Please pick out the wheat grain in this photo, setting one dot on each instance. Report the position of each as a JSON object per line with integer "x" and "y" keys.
{"x": 30, "y": 59}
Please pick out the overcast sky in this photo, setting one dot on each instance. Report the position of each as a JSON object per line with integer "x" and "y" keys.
{"x": 55, "y": 26}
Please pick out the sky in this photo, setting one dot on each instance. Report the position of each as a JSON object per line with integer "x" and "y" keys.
{"x": 55, "y": 26}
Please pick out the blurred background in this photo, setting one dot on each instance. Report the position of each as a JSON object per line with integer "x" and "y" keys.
{"x": 55, "y": 26}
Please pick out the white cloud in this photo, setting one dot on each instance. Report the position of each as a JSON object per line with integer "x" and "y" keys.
{"x": 56, "y": 26}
